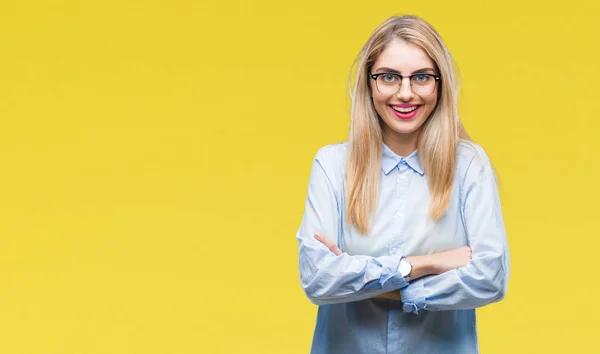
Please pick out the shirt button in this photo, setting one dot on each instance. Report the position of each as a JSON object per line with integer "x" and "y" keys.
{"x": 399, "y": 214}
{"x": 401, "y": 176}
{"x": 394, "y": 250}
{"x": 393, "y": 326}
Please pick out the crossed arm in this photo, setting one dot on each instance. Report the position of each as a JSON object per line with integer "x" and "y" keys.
{"x": 437, "y": 263}
{"x": 457, "y": 279}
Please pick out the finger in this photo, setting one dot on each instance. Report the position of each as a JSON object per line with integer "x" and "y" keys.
{"x": 335, "y": 250}
{"x": 324, "y": 240}
{"x": 327, "y": 242}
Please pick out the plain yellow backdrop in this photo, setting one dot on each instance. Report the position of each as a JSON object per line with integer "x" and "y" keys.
{"x": 155, "y": 156}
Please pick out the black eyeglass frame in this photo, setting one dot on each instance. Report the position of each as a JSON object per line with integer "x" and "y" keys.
{"x": 437, "y": 78}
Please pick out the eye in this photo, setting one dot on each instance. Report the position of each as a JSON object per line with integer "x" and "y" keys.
{"x": 421, "y": 78}
{"x": 388, "y": 78}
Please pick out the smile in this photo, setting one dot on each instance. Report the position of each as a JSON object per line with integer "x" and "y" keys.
{"x": 405, "y": 112}
{"x": 404, "y": 109}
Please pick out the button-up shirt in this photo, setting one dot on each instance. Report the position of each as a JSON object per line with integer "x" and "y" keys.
{"x": 437, "y": 312}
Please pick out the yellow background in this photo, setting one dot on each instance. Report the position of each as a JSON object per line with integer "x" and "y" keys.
{"x": 155, "y": 155}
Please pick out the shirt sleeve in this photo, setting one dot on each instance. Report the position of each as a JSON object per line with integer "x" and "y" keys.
{"x": 484, "y": 279}
{"x": 325, "y": 277}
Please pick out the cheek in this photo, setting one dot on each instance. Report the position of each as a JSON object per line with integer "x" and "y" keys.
{"x": 379, "y": 99}
{"x": 380, "y": 105}
{"x": 430, "y": 102}
{"x": 378, "y": 102}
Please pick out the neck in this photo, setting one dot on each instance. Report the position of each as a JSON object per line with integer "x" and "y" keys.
{"x": 401, "y": 144}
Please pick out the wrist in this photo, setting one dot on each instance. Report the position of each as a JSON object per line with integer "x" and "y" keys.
{"x": 421, "y": 266}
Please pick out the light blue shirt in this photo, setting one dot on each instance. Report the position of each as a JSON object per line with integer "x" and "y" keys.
{"x": 437, "y": 313}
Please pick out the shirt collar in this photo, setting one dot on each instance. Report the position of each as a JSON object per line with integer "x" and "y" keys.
{"x": 389, "y": 160}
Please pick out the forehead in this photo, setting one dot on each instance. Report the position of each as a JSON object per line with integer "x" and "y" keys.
{"x": 404, "y": 57}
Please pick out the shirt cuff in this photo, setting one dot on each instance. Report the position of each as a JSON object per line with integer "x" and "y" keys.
{"x": 391, "y": 279}
{"x": 413, "y": 296}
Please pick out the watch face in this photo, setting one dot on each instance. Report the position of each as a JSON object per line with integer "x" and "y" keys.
{"x": 405, "y": 268}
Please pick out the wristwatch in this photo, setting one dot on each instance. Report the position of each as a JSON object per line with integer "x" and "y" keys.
{"x": 405, "y": 268}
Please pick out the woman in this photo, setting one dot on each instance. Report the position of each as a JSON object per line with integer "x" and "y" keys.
{"x": 402, "y": 235}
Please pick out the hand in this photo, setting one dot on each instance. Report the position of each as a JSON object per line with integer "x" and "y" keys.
{"x": 327, "y": 242}
{"x": 452, "y": 259}
{"x": 437, "y": 263}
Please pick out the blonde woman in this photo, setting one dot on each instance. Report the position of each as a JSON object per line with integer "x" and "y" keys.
{"x": 402, "y": 235}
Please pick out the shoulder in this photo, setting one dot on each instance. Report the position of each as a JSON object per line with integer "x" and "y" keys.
{"x": 473, "y": 161}
{"x": 471, "y": 154}
{"x": 332, "y": 155}
{"x": 332, "y": 159}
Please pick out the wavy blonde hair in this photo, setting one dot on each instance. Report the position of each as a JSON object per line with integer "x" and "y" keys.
{"x": 439, "y": 136}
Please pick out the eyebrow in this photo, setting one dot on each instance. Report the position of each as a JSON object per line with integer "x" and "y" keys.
{"x": 390, "y": 70}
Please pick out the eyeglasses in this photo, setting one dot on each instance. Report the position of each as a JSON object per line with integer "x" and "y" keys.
{"x": 420, "y": 84}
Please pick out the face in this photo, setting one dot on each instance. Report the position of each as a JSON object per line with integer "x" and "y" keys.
{"x": 403, "y": 112}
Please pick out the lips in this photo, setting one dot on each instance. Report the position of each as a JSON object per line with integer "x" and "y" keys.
{"x": 405, "y": 111}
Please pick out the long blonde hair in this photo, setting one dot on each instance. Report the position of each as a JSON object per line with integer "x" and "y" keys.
{"x": 439, "y": 136}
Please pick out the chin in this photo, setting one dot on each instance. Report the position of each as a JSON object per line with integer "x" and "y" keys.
{"x": 405, "y": 128}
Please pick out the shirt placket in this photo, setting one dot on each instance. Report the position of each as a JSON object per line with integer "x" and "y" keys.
{"x": 402, "y": 182}
{"x": 403, "y": 175}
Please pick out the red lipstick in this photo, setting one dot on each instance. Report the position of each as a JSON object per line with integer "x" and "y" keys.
{"x": 405, "y": 115}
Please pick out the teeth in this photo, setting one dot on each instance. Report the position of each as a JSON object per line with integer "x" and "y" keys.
{"x": 403, "y": 109}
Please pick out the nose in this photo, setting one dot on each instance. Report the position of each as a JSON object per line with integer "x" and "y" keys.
{"x": 405, "y": 92}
